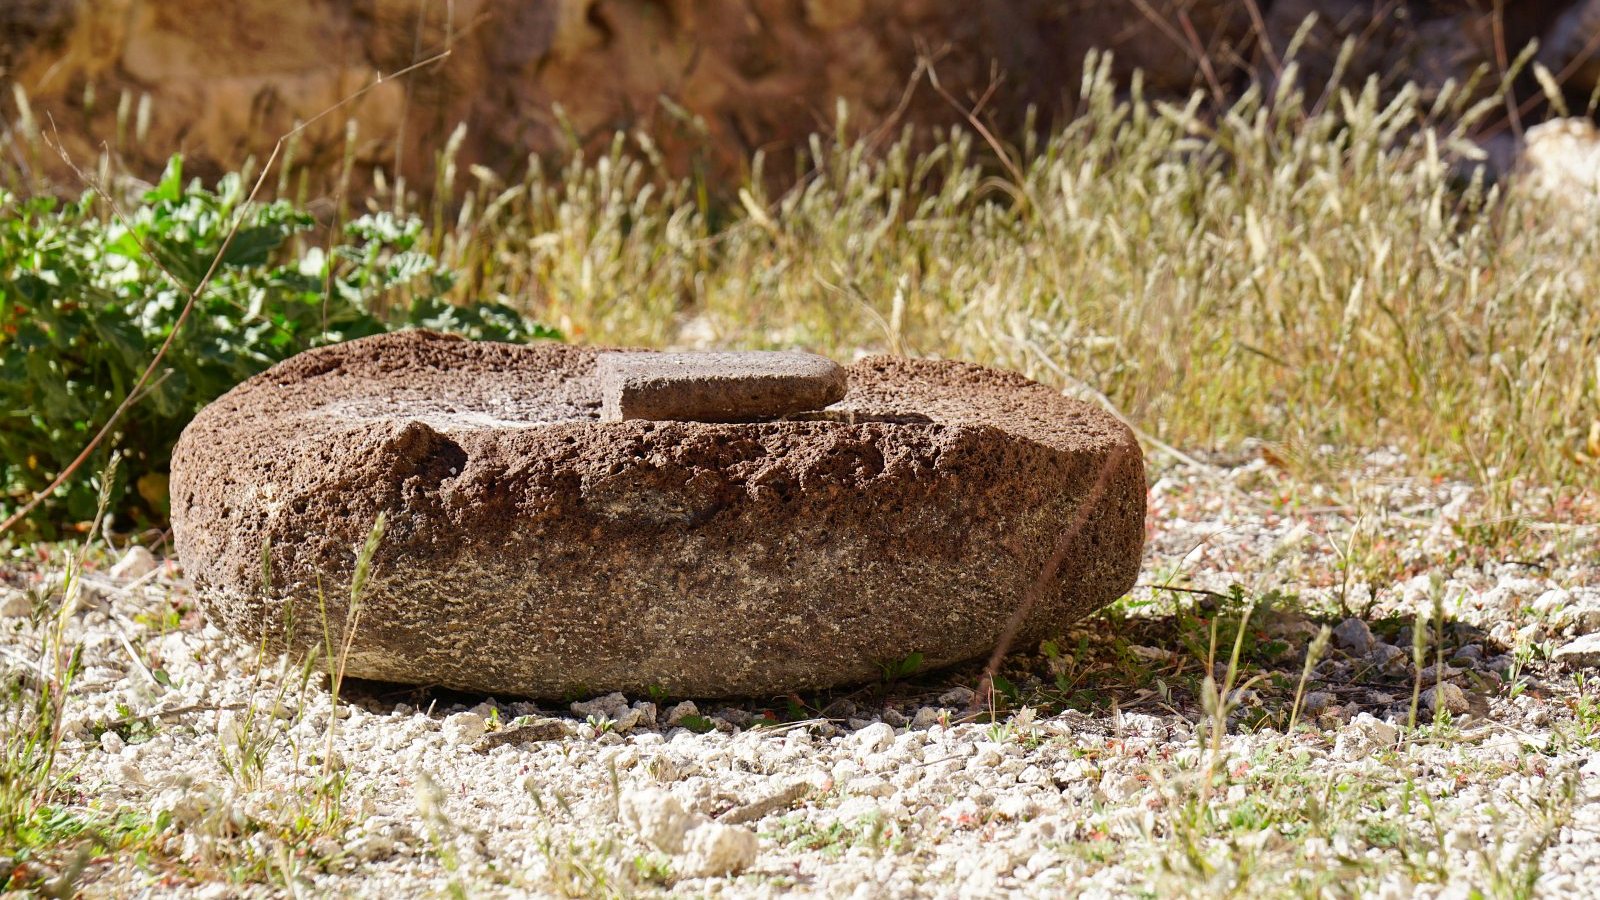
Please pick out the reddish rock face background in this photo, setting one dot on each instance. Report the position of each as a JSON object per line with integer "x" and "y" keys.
{"x": 225, "y": 80}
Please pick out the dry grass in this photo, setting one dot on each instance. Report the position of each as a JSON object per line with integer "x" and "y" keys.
{"x": 1332, "y": 279}
{"x": 1322, "y": 269}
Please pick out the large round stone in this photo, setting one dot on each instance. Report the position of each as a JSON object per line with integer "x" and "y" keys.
{"x": 535, "y": 548}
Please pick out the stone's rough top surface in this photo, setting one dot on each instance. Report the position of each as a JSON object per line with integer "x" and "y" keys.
{"x": 717, "y": 387}
{"x": 534, "y": 549}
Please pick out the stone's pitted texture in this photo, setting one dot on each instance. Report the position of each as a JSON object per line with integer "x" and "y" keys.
{"x": 717, "y": 387}
{"x": 534, "y": 549}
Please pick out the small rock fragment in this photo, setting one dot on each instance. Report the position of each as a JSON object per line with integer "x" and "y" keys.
{"x": 657, "y": 817}
{"x": 664, "y": 769}
{"x": 1583, "y": 619}
{"x": 1354, "y": 636}
{"x": 784, "y": 798}
{"x": 1015, "y": 806}
{"x": 1119, "y": 786}
{"x": 957, "y": 697}
{"x": 1445, "y": 696}
{"x": 1581, "y": 653}
{"x": 870, "y": 786}
{"x": 963, "y": 813}
{"x": 1436, "y": 673}
{"x": 1155, "y": 655}
{"x": 738, "y": 718}
{"x": 1318, "y": 701}
{"x": 1381, "y": 733}
{"x": 1573, "y": 610}
{"x": 1553, "y": 600}
{"x": 708, "y": 848}
{"x": 872, "y": 739}
{"x": 612, "y": 708}
{"x": 333, "y": 761}
{"x": 230, "y": 728}
{"x": 1591, "y": 769}
{"x": 527, "y": 733}
{"x": 712, "y": 849}
{"x": 326, "y": 847}
{"x": 463, "y": 728}
{"x": 1387, "y": 658}
{"x": 841, "y": 708}
{"x": 124, "y": 773}
{"x": 15, "y": 604}
{"x": 684, "y": 710}
{"x": 1561, "y": 163}
{"x": 647, "y": 714}
{"x": 372, "y": 847}
{"x": 136, "y": 563}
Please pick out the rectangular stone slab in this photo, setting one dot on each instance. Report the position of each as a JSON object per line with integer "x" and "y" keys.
{"x": 717, "y": 386}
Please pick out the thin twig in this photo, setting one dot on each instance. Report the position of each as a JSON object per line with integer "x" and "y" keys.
{"x": 1183, "y": 590}
{"x": 176, "y": 711}
{"x": 1189, "y": 40}
{"x": 983, "y": 131}
{"x": 1502, "y": 62}
{"x": 1259, "y": 25}
{"x": 1578, "y": 61}
{"x": 899, "y": 111}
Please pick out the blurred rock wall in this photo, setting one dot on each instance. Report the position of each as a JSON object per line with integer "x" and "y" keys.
{"x": 712, "y": 79}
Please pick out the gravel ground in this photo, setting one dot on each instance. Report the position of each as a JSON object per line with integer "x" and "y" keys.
{"x": 1120, "y": 759}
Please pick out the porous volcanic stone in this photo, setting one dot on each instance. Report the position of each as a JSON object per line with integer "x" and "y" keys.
{"x": 534, "y": 549}
{"x": 717, "y": 387}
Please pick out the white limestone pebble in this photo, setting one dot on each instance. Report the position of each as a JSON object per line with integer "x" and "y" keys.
{"x": 463, "y": 728}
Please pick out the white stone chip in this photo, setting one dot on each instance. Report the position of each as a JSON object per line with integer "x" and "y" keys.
{"x": 656, "y": 817}
{"x": 15, "y": 605}
{"x": 712, "y": 849}
{"x": 463, "y": 728}
{"x": 677, "y": 714}
{"x": 872, "y": 739}
{"x": 1581, "y": 653}
{"x": 706, "y": 849}
{"x": 136, "y": 563}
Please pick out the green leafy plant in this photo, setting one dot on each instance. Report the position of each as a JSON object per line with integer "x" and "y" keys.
{"x": 902, "y": 668}
{"x": 88, "y": 293}
{"x": 698, "y": 724}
